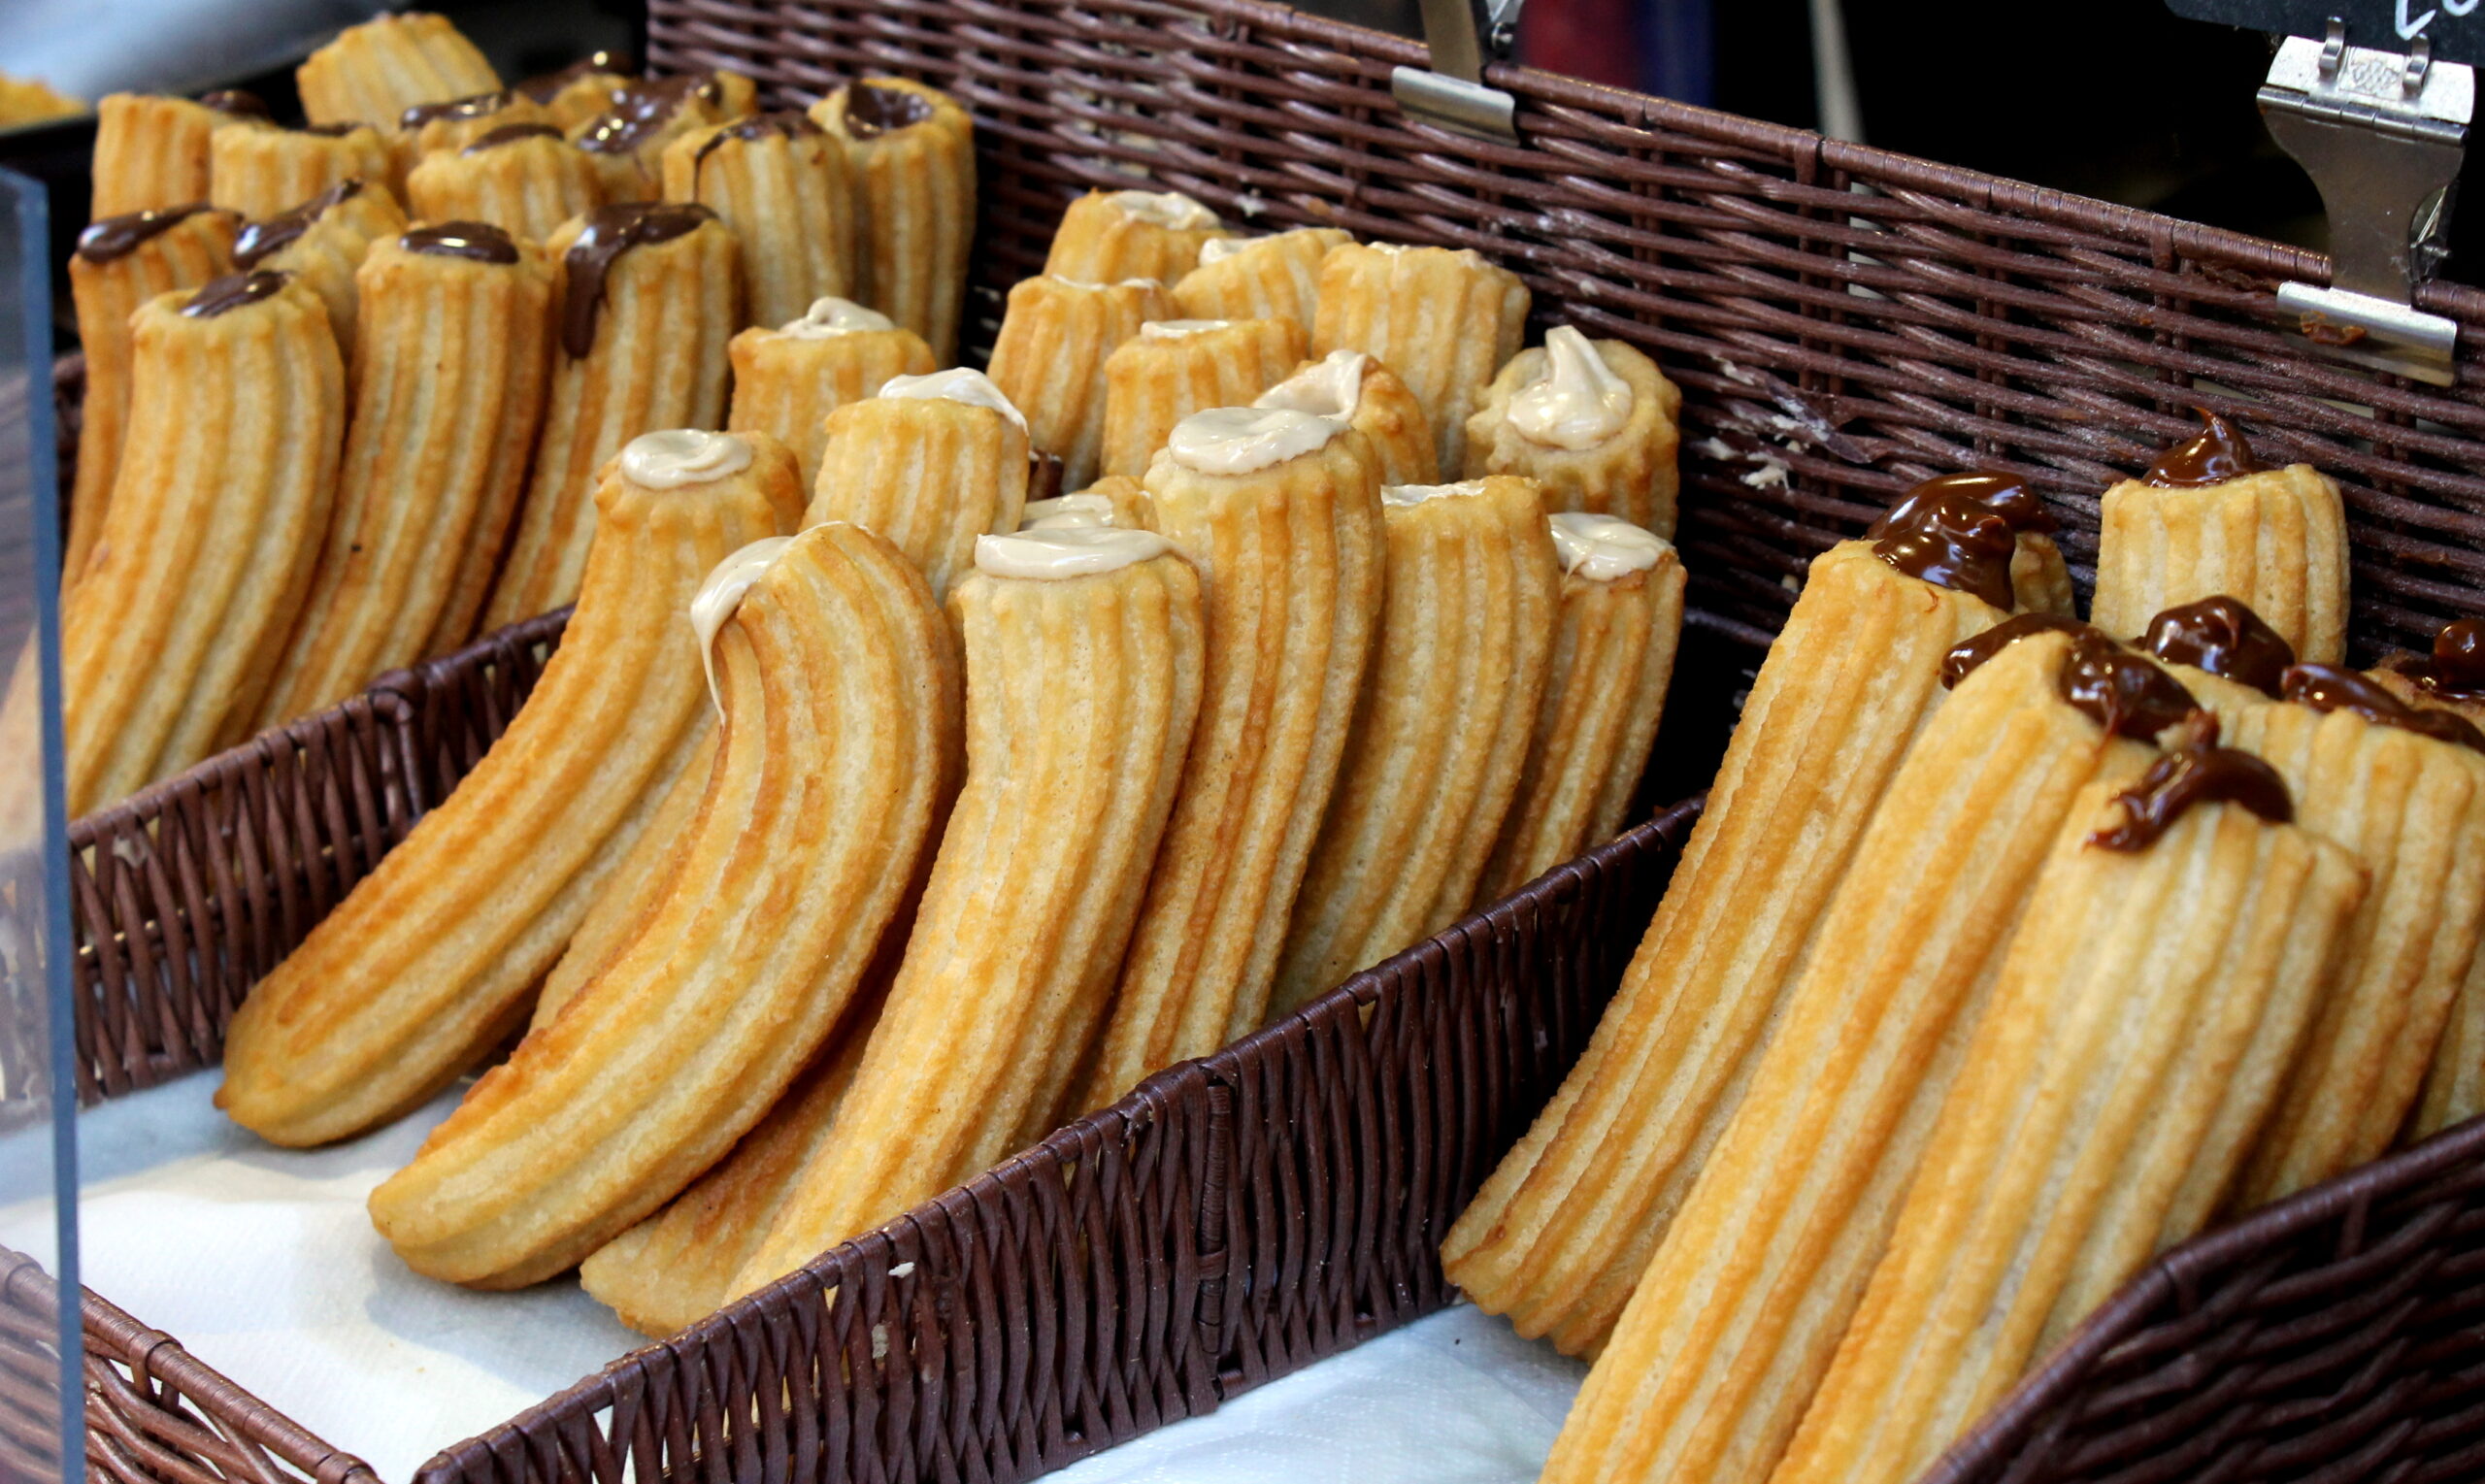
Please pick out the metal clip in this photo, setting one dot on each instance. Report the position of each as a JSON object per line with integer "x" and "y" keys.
{"x": 1453, "y": 94}
{"x": 2381, "y": 133}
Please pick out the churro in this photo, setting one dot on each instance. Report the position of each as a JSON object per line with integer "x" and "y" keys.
{"x": 1277, "y": 277}
{"x": 1107, "y": 236}
{"x": 780, "y": 183}
{"x": 1115, "y": 501}
{"x": 1050, "y": 360}
{"x": 788, "y": 379}
{"x": 323, "y": 241}
{"x": 933, "y": 463}
{"x": 263, "y": 172}
{"x": 151, "y": 154}
{"x": 626, "y": 143}
{"x": 1444, "y": 320}
{"x": 1172, "y": 368}
{"x": 580, "y": 92}
{"x": 524, "y": 178}
{"x": 1368, "y": 397}
{"x": 1592, "y": 421}
{"x": 374, "y": 72}
{"x": 911, "y": 153}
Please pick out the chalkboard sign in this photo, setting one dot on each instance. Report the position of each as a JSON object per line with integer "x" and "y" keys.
{"x": 2455, "y": 27}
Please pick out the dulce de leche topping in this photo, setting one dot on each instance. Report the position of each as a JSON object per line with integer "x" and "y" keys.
{"x": 783, "y": 125}
{"x": 874, "y": 109}
{"x": 1970, "y": 654}
{"x": 641, "y": 109}
{"x": 265, "y": 239}
{"x": 115, "y": 238}
{"x": 1949, "y": 540}
{"x": 2216, "y": 455}
{"x": 2223, "y": 637}
{"x": 2197, "y": 771}
{"x": 611, "y": 231}
{"x": 510, "y": 134}
{"x": 234, "y": 102}
{"x": 476, "y": 241}
{"x": 2337, "y": 688}
{"x": 476, "y": 106}
{"x": 232, "y": 292}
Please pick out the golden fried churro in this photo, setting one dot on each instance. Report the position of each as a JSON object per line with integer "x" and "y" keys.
{"x": 1280, "y": 512}
{"x": 1368, "y": 397}
{"x": 645, "y": 297}
{"x": 1604, "y": 691}
{"x": 525, "y": 180}
{"x": 1107, "y": 236}
{"x": 1444, "y": 320}
{"x": 840, "y": 685}
{"x": 429, "y": 128}
{"x": 788, "y": 379}
{"x": 430, "y": 962}
{"x": 2168, "y": 959}
{"x": 1117, "y": 500}
{"x": 1050, "y": 360}
{"x": 627, "y": 141}
{"x": 1740, "y": 1308}
{"x": 120, "y": 263}
{"x": 265, "y": 172}
{"x": 932, "y": 463}
{"x": 1593, "y": 421}
{"x": 2208, "y": 518}
{"x": 151, "y": 153}
{"x": 323, "y": 241}
{"x": 580, "y": 92}
{"x": 376, "y": 71}
{"x": 1562, "y": 1229}
{"x": 448, "y": 391}
{"x": 1172, "y": 368}
{"x": 1258, "y": 277}
{"x": 236, "y": 408}
{"x": 780, "y": 183}
{"x": 1441, "y": 731}
{"x": 1085, "y": 648}
{"x": 912, "y": 150}
{"x": 2450, "y": 677}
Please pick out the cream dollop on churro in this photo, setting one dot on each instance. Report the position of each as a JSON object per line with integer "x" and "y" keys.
{"x": 1239, "y": 439}
{"x": 1065, "y": 552}
{"x": 958, "y": 385}
{"x": 1602, "y": 547}
{"x": 1579, "y": 403}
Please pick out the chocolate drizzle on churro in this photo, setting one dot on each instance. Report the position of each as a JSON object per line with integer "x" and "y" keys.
{"x": 476, "y": 241}
{"x": 510, "y": 134}
{"x": 872, "y": 109}
{"x": 2456, "y": 667}
{"x": 477, "y": 106}
{"x": 611, "y": 231}
{"x": 2217, "y": 454}
{"x": 118, "y": 236}
{"x": 642, "y": 109}
{"x": 234, "y": 102}
{"x": 1951, "y": 541}
{"x": 2337, "y": 688}
{"x": 262, "y": 240}
{"x": 2007, "y": 495}
{"x": 2198, "y": 770}
{"x": 1968, "y": 655}
{"x": 333, "y": 130}
{"x": 2120, "y": 691}
{"x": 547, "y": 88}
{"x": 232, "y": 292}
{"x": 2223, "y": 637}
{"x": 788, "y": 124}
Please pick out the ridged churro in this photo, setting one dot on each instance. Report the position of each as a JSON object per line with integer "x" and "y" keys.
{"x": 1050, "y": 360}
{"x": 431, "y": 961}
{"x": 580, "y": 92}
{"x": 1277, "y": 277}
{"x": 453, "y": 125}
{"x": 645, "y": 296}
{"x": 840, "y": 688}
{"x": 933, "y": 463}
{"x": 627, "y": 141}
{"x": 525, "y": 180}
{"x": 1368, "y": 397}
{"x": 1444, "y": 321}
{"x": 2168, "y": 963}
{"x": 788, "y": 379}
{"x": 1107, "y": 236}
{"x": 121, "y": 262}
{"x": 1280, "y": 512}
{"x": 1086, "y": 652}
{"x": 323, "y": 241}
{"x": 2208, "y": 518}
{"x": 152, "y": 153}
{"x": 912, "y": 150}
{"x": 1592, "y": 421}
{"x": 780, "y": 183}
{"x": 264, "y": 173}
{"x": 374, "y": 72}
{"x": 1441, "y": 731}
{"x": 1113, "y": 501}
{"x": 1172, "y": 368}
{"x": 448, "y": 391}
{"x": 171, "y": 636}
{"x": 1560, "y": 1230}
{"x": 1605, "y": 692}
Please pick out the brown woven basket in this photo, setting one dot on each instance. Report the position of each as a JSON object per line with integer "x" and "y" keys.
{"x": 1842, "y": 321}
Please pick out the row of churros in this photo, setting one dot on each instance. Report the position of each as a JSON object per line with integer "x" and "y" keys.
{"x": 2009, "y": 953}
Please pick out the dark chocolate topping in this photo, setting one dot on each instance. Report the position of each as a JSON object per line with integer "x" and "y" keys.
{"x": 234, "y": 102}
{"x": 2218, "y": 454}
{"x": 476, "y": 241}
{"x": 1949, "y": 540}
{"x": 611, "y": 231}
{"x": 873, "y": 110}
{"x": 642, "y": 109}
{"x": 2197, "y": 771}
{"x": 232, "y": 292}
{"x": 479, "y": 106}
{"x": 2337, "y": 688}
{"x": 547, "y": 88}
{"x": 510, "y": 134}
{"x": 2457, "y": 666}
{"x": 785, "y": 126}
{"x": 1967, "y": 655}
{"x": 2119, "y": 690}
{"x": 118, "y": 236}
{"x": 333, "y": 130}
{"x": 2223, "y": 637}
{"x": 263, "y": 239}
{"x": 2007, "y": 495}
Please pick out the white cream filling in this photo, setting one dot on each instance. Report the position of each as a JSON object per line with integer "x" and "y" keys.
{"x": 722, "y": 593}
{"x": 1065, "y": 552}
{"x": 1602, "y": 547}
{"x": 1241, "y": 440}
{"x": 833, "y": 316}
{"x": 1216, "y": 250}
{"x": 956, "y": 384}
{"x": 1577, "y": 403}
{"x": 680, "y": 456}
{"x": 1178, "y": 329}
{"x": 1164, "y": 209}
{"x": 1331, "y": 386}
{"x": 1416, "y": 494}
{"x": 1067, "y": 511}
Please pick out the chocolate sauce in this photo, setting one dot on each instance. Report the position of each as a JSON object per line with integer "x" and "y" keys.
{"x": 333, "y": 130}
{"x": 234, "y": 102}
{"x": 1949, "y": 540}
{"x": 873, "y": 110}
{"x": 1968, "y": 655}
{"x": 115, "y": 238}
{"x": 642, "y": 109}
{"x": 262, "y": 240}
{"x": 1044, "y": 474}
{"x": 2197, "y": 771}
{"x": 2007, "y": 495}
{"x": 2218, "y": 454}
{"x": 510, "y": 134}
{"x": 2120, "y": 691}
{"x": 476, "y": 241}
{"x": 232, "y": 292}
{"x": 477, "y": 106}
{"x": 547, "y": 88}
{"x": 2457, "y": 665}
{"x": 611, "y": 231}
{"x": 2337, "y": 688}
{"x": 2223, "y": 637}
{"x": 785, "y": 126}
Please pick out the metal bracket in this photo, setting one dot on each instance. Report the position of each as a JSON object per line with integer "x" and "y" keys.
{"x": 1453, "y": 95}
{"x": 2381, "y": 134}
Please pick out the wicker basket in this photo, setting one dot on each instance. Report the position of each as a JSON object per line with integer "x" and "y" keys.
{"x": 1842, "y": 321}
